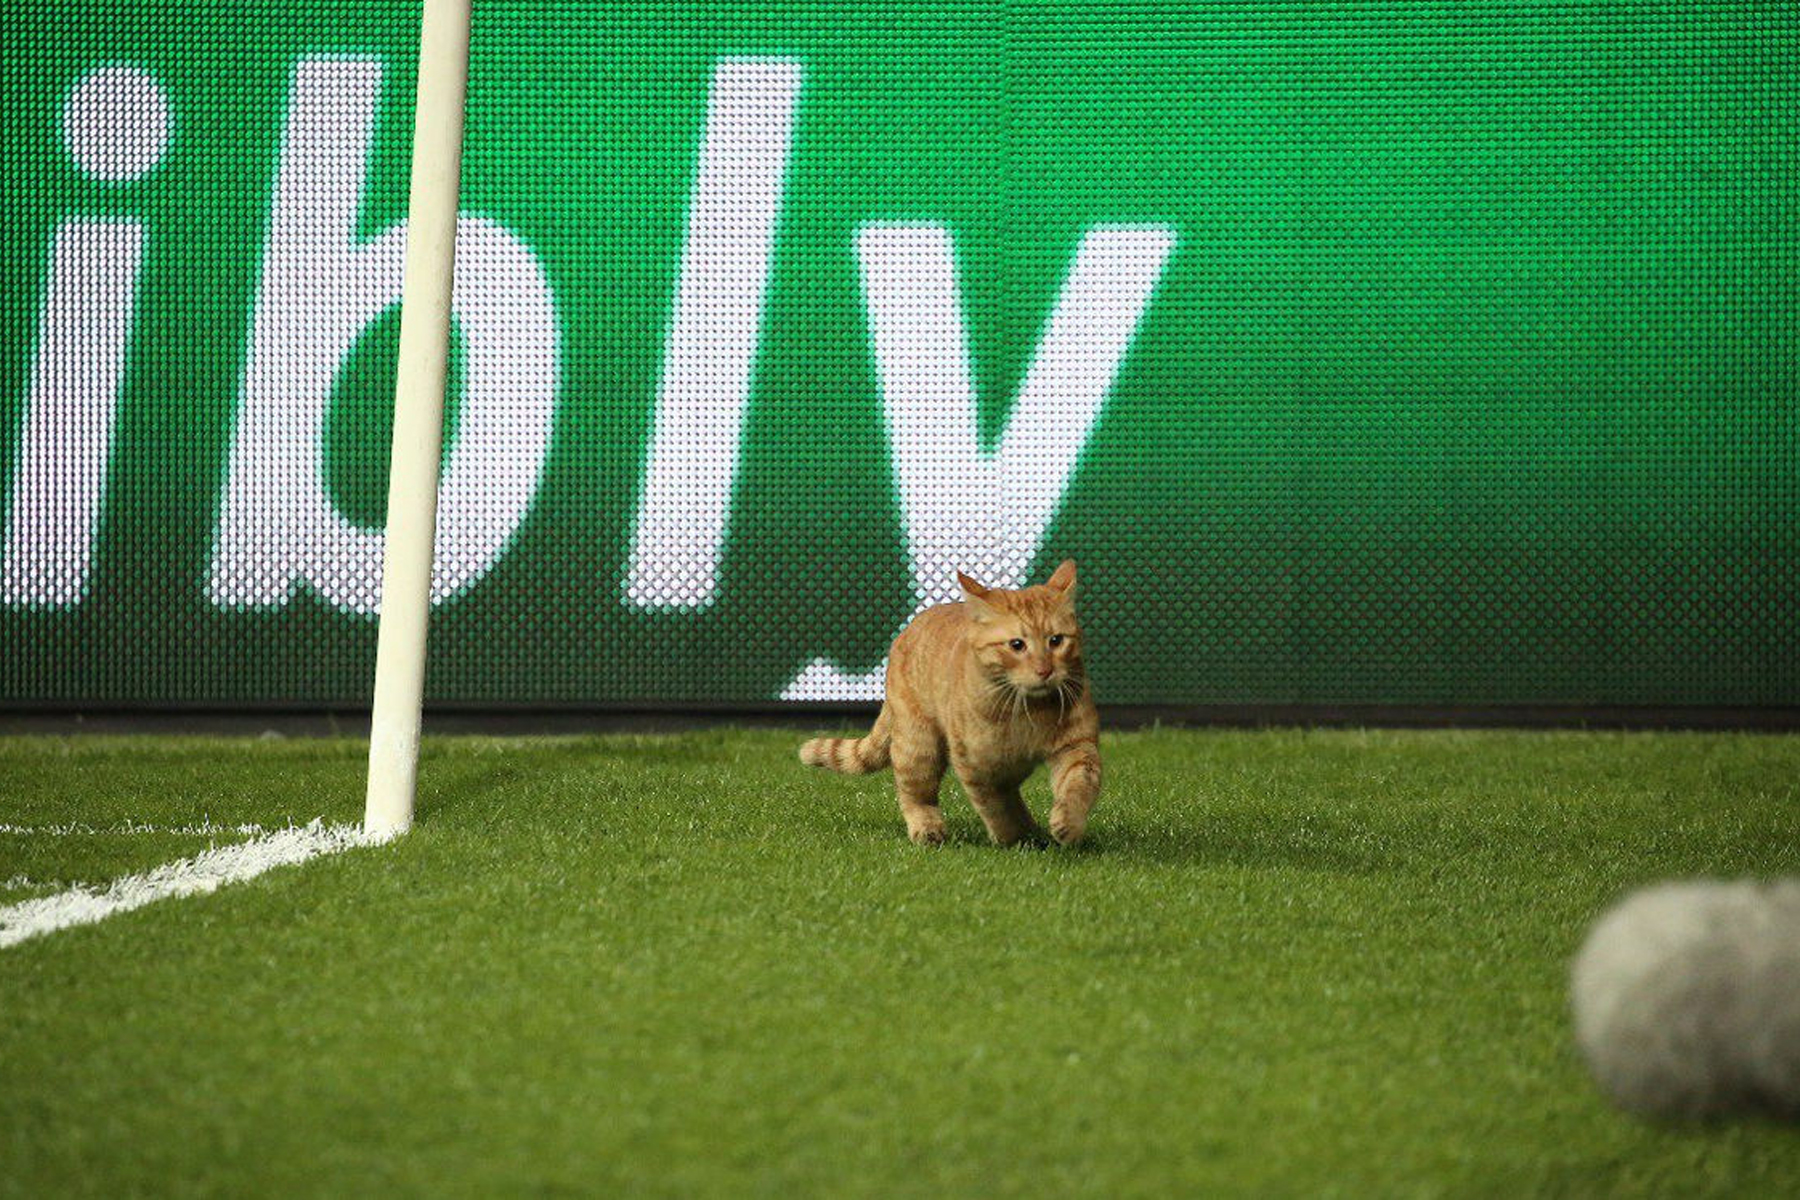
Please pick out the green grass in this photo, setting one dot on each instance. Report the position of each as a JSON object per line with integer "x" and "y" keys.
{"x": 1325, "y": 963}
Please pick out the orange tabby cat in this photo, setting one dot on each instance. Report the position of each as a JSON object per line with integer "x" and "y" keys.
{"x": 992, "y": 686}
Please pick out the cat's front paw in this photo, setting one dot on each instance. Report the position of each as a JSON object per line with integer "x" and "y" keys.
{"x": 1067, "y": 828}
{"x": 926, "y": 833}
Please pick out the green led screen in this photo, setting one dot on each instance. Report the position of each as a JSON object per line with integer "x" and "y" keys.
{"x": 1360, "y": 353}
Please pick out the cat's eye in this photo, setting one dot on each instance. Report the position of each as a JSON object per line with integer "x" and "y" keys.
{"x": 1056, "y": 639}
{"x": 1017, "y": 643}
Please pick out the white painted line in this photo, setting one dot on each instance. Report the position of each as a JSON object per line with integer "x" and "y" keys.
{"x": 19, "y": 883}
{"x": 187, "y": 877}
{"x": 78, "y": 829}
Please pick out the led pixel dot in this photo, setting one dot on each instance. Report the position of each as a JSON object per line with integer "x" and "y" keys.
{"x": 116, "y": 123}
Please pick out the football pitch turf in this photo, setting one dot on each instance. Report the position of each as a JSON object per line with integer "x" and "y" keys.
{"x": 1286, "y": 963}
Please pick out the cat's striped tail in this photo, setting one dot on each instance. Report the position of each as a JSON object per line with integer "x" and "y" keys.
{"x": 851, "y": 756}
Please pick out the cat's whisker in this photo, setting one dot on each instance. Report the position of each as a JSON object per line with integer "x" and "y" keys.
{"x": 999, "y": 694}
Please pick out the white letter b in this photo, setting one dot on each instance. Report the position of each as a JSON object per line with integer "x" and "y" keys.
{"x": 320, "y": 290}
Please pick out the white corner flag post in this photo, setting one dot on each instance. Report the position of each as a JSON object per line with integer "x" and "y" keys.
{"x": 418, "y": 417}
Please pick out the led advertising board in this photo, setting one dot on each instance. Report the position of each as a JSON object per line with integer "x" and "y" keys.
{"x": 1359, "y": 353}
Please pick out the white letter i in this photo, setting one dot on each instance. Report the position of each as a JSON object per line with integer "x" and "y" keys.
{"x": 116, "y": 126}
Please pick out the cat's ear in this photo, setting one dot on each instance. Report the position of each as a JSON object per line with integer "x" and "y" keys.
{"x": 971, "y": 589}
{"x": 1063, "y": 579}
{"x": 975, "y": 596}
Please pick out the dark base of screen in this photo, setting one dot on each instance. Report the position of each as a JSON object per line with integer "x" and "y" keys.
{"x": 350, "y": 721}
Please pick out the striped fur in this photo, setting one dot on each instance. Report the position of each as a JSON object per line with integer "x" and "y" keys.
{"x": 851, "y": 756}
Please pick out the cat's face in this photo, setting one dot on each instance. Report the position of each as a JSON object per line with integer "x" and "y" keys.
{"x": 1028, "y": 641}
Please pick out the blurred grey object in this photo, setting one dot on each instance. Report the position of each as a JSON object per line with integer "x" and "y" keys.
{"x": 1686, "y": 999}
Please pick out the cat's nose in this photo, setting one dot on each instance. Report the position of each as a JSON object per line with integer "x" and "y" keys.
{"x": 1044, "y": 671}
